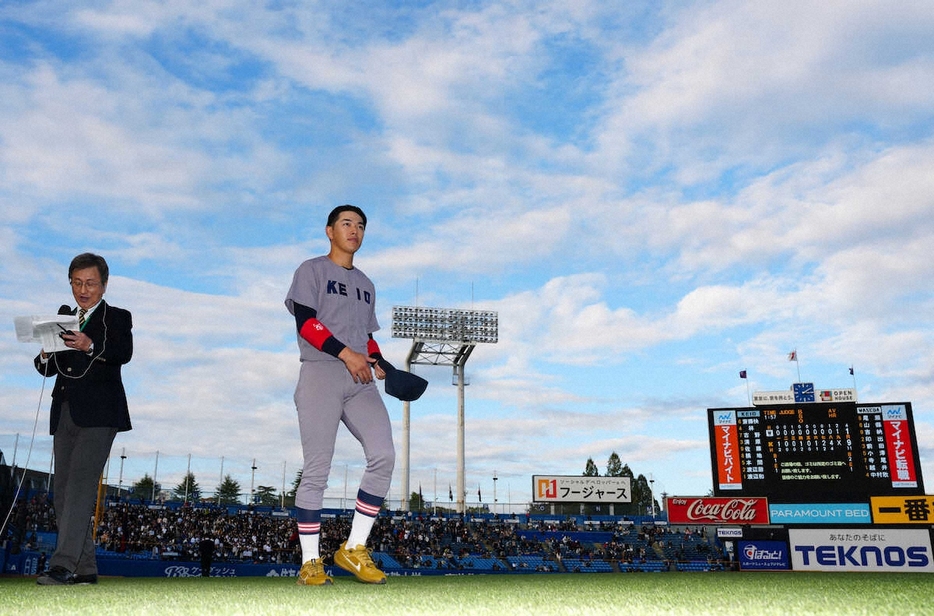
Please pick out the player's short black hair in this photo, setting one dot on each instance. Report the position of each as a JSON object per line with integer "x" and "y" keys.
{"x": 332, "y": 217}
{"x": 86, "y": 260}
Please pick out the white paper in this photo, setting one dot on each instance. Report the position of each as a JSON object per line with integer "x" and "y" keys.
{"x": 46, "y": 330}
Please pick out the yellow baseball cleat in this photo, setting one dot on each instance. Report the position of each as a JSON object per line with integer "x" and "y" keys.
{"x": 358, "y": 562}
{"x": 312, "y": 574}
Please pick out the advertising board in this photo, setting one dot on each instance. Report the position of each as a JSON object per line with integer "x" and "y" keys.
{"x": 902, "y": 509}
{"x": 884, "y": 549}
{"x": 763, "y": 556}
{"x": 716, "y": 510}
{"x": 580, "y": 489}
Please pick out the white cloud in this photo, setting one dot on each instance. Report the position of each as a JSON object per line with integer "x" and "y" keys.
{"x": 731, "y": 84}
{"x": 649, "y": 197}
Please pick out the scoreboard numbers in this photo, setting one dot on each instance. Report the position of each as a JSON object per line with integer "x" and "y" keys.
{"x": 815, "y": 452}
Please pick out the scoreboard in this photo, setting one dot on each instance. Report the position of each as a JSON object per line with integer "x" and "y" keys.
{"x": 815, "y": 452}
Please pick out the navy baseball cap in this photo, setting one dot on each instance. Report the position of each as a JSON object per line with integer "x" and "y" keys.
{"x": 401, "y": 384}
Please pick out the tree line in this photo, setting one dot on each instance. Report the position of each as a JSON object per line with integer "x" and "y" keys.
{"x": 228, "y": 492}
{"x": 643, "y": 501}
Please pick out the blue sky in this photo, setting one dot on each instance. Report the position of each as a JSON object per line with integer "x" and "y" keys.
{"x": 652, "y": 195}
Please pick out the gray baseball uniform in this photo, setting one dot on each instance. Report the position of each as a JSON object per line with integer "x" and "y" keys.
{"x": 344, "y": 301}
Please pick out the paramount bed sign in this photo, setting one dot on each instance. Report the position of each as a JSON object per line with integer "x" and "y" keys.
{"x": 717, "y": 510}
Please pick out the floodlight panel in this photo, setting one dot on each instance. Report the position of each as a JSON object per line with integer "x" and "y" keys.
{"x": 477, "y": 326}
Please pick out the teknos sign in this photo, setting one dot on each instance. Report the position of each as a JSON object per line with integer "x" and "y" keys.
{"x": 717, "y": 510}
{"x": 868, "y": 549}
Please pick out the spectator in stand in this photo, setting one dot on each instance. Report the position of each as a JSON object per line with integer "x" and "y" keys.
{"x": 447, "y": 543}
{"x": 206, "y": 550}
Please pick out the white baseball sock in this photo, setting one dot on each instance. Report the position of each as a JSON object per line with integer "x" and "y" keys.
{"x": 360, "y": 529}
{"x": 310, "y": 546}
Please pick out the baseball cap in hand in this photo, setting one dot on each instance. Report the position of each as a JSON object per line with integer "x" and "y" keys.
{"x": 401, "y": 384}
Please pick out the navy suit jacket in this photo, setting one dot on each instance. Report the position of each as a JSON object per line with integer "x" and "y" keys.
{"x": 97, "y": 399}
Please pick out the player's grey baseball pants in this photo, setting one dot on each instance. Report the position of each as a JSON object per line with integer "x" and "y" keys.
{"x": 326, "y": 396}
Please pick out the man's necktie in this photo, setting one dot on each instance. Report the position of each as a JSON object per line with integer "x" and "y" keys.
{"x": 81, "y": 313}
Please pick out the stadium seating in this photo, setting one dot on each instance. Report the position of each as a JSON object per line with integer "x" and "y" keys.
{"x": 527, "y": 563}
{"x": 406, "y": 542}
{"x": 698, "y": 565}
{"x": 587, "y": 566}
{"x": 385, "y": 561}
{"x": 649, "y": 566}
{"x": 478, "y": 563}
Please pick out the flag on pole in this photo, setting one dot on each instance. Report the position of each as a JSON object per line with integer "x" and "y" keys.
{"x": 479, "y": 498}
{"x": 742, "y": 375}
{"x": 851, "y": 371}
{"x": 793, "y": 356}
{"x": 450, "y": 494}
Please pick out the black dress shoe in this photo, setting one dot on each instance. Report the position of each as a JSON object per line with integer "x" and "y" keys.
{"x": 56, "y": 576}
{"x": 88, "y": 578}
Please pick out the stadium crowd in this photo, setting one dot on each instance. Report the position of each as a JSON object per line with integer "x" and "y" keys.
{"x": 411, "y": 540}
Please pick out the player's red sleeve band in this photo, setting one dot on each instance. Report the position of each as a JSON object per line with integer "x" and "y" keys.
{"x": 372, "y": 348}
{"x": 315, "y": 333}
{"x": 321, "y": 338}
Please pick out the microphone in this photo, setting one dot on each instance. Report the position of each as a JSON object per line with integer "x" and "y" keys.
{"x": 64, "y": 309}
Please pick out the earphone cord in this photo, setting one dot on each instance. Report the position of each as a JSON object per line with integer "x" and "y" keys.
{"x": 22, "y": 479}
{"x": 45, "y": 376}
{"x": 94, "y": 358}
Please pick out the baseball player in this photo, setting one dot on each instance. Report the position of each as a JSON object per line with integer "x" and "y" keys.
{"x": 334, "y": 307}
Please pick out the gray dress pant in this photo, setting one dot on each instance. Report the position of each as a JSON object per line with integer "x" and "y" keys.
{"x": 80, "y": 455}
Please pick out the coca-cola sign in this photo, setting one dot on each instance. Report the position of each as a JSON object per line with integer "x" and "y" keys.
{"x": 717, "y": 510}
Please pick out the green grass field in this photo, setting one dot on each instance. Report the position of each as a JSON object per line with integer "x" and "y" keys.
{"x": 724, "y": 594}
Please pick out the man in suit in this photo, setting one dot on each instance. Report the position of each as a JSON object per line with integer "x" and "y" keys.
{"x": 89, "y": 407}
{"x": 206, "y": 551}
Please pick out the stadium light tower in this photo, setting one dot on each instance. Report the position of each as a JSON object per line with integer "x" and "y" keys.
{"x": 441, "y": 337}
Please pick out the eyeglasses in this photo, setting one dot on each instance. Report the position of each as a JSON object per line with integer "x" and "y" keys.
{"x": 90, "y": 285}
